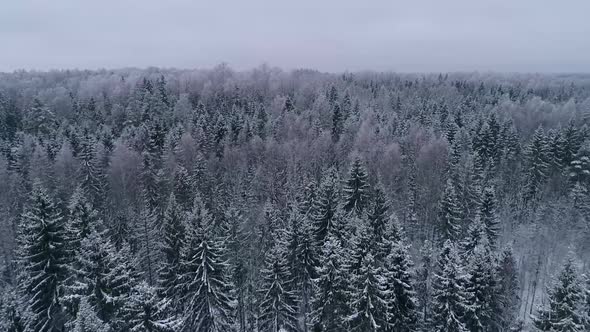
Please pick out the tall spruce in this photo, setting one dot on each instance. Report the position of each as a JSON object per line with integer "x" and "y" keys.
{"x": 330, "y": 301}
{"x": 325, "y": 206}
{"x": 401, "y": 297}
{"x": 356, "y": 188}
{"x": 450, "y": 214}
{"x": 278, "y": 311}
{"x": 207, "y": 291}
{"x": 368, "y": 297}
{"x": 173, "y": 243}
{"x": 449, "y": 294}
{"x": 44, "y": 258}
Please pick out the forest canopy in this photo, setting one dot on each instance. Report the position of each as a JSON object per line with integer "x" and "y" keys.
{"x": 264, "y": 200}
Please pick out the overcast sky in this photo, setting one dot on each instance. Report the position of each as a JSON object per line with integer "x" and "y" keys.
{"x": 329, "y": 35}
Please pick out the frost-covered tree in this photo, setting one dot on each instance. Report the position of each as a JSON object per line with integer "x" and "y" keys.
{"x": 44, "y": 258}
{"x": 325, "y": 206}
{"x": 368, "y": 297}
{"x": 331, "y": 297}
{"x": 173, "y": 243}
{"x": 11, "y": 311}
{"x": 356, "y": 188}
{"x": 488, "y": 215}
{"x": 146, "y": 313}
{"x": 81, "y": 219}
{"x": 481, "y": 286}
{"x": 401, "y": 297}
{"x": 508, "y": 290}
{"x": 564, "y": 311}
{"x": 207, "y": 292}
{"x": 450, "y": 214}
{"x": 450, "y": 298}
{"x": 96, "y": 279}
{"x": 537, "y": 154}
{"x": 86, "y": 319}
{"x": 278, "y": 311}
{"x": 301, "y": 259}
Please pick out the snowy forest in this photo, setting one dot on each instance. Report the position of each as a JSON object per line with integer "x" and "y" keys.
{"x": 296, "y": 201}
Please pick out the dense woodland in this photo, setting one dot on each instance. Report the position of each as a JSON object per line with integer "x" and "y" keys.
{"x": 216, "y": 200}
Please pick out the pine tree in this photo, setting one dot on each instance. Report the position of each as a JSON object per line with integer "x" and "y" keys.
{"x": 278, "y": 303}
{"x": 208, "y": 305}
{"x": 173, "y": 242}
{"x": 146, "y": 313}
{"x": 369, "y": 295}
{"x": 564, "y": 312}
{"x": 330, "y": 300}
{"x": 402, "y": 302}
{"x": 449, "y": 295}
{"x": 450, "y": 214}
{"x": 356, "y": 188}
{"x": 44, "y": 259}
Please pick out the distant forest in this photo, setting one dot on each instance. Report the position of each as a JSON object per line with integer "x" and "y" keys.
{"x": 265, "y": 200}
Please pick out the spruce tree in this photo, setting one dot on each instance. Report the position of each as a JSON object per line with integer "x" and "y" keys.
{"x": 449, "y": 294}
{"x": 330, "y": 300}
{"x": 146, "y": 313}
{"x": 146, "y": 238}
{"x": 81, "y": 219}
{"x": 507, "y": 291}
{"x": 208, "y": 305}
{"x": 278, "y": 303}
{"x": 424, "y": 276}
{"x": 325, "y": 206}
{"x": 95, "y": 279}
{"x": 183, "y": 190}
{"x": 337, "y": 123}
{"x": 44, "y": 259}
{"x": 480, "y": 286}
{"x": 537, "y": 155}
{"x": 378, "y": 218}
{"x": 450, "y": 214}
{"x": 11, "y": 311}
{"x": 564, "y": 311}
{"x": 401, "y": 298}
{"x": 369, "y": 297}
{"x": 356, "y": 188}
{"x": 90, "y": 173}
{"x": 86, "y": 319}
{"x": 173, "y": 242}
{"x": 301, "y": 259}
{"x": 488, "y": 215}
